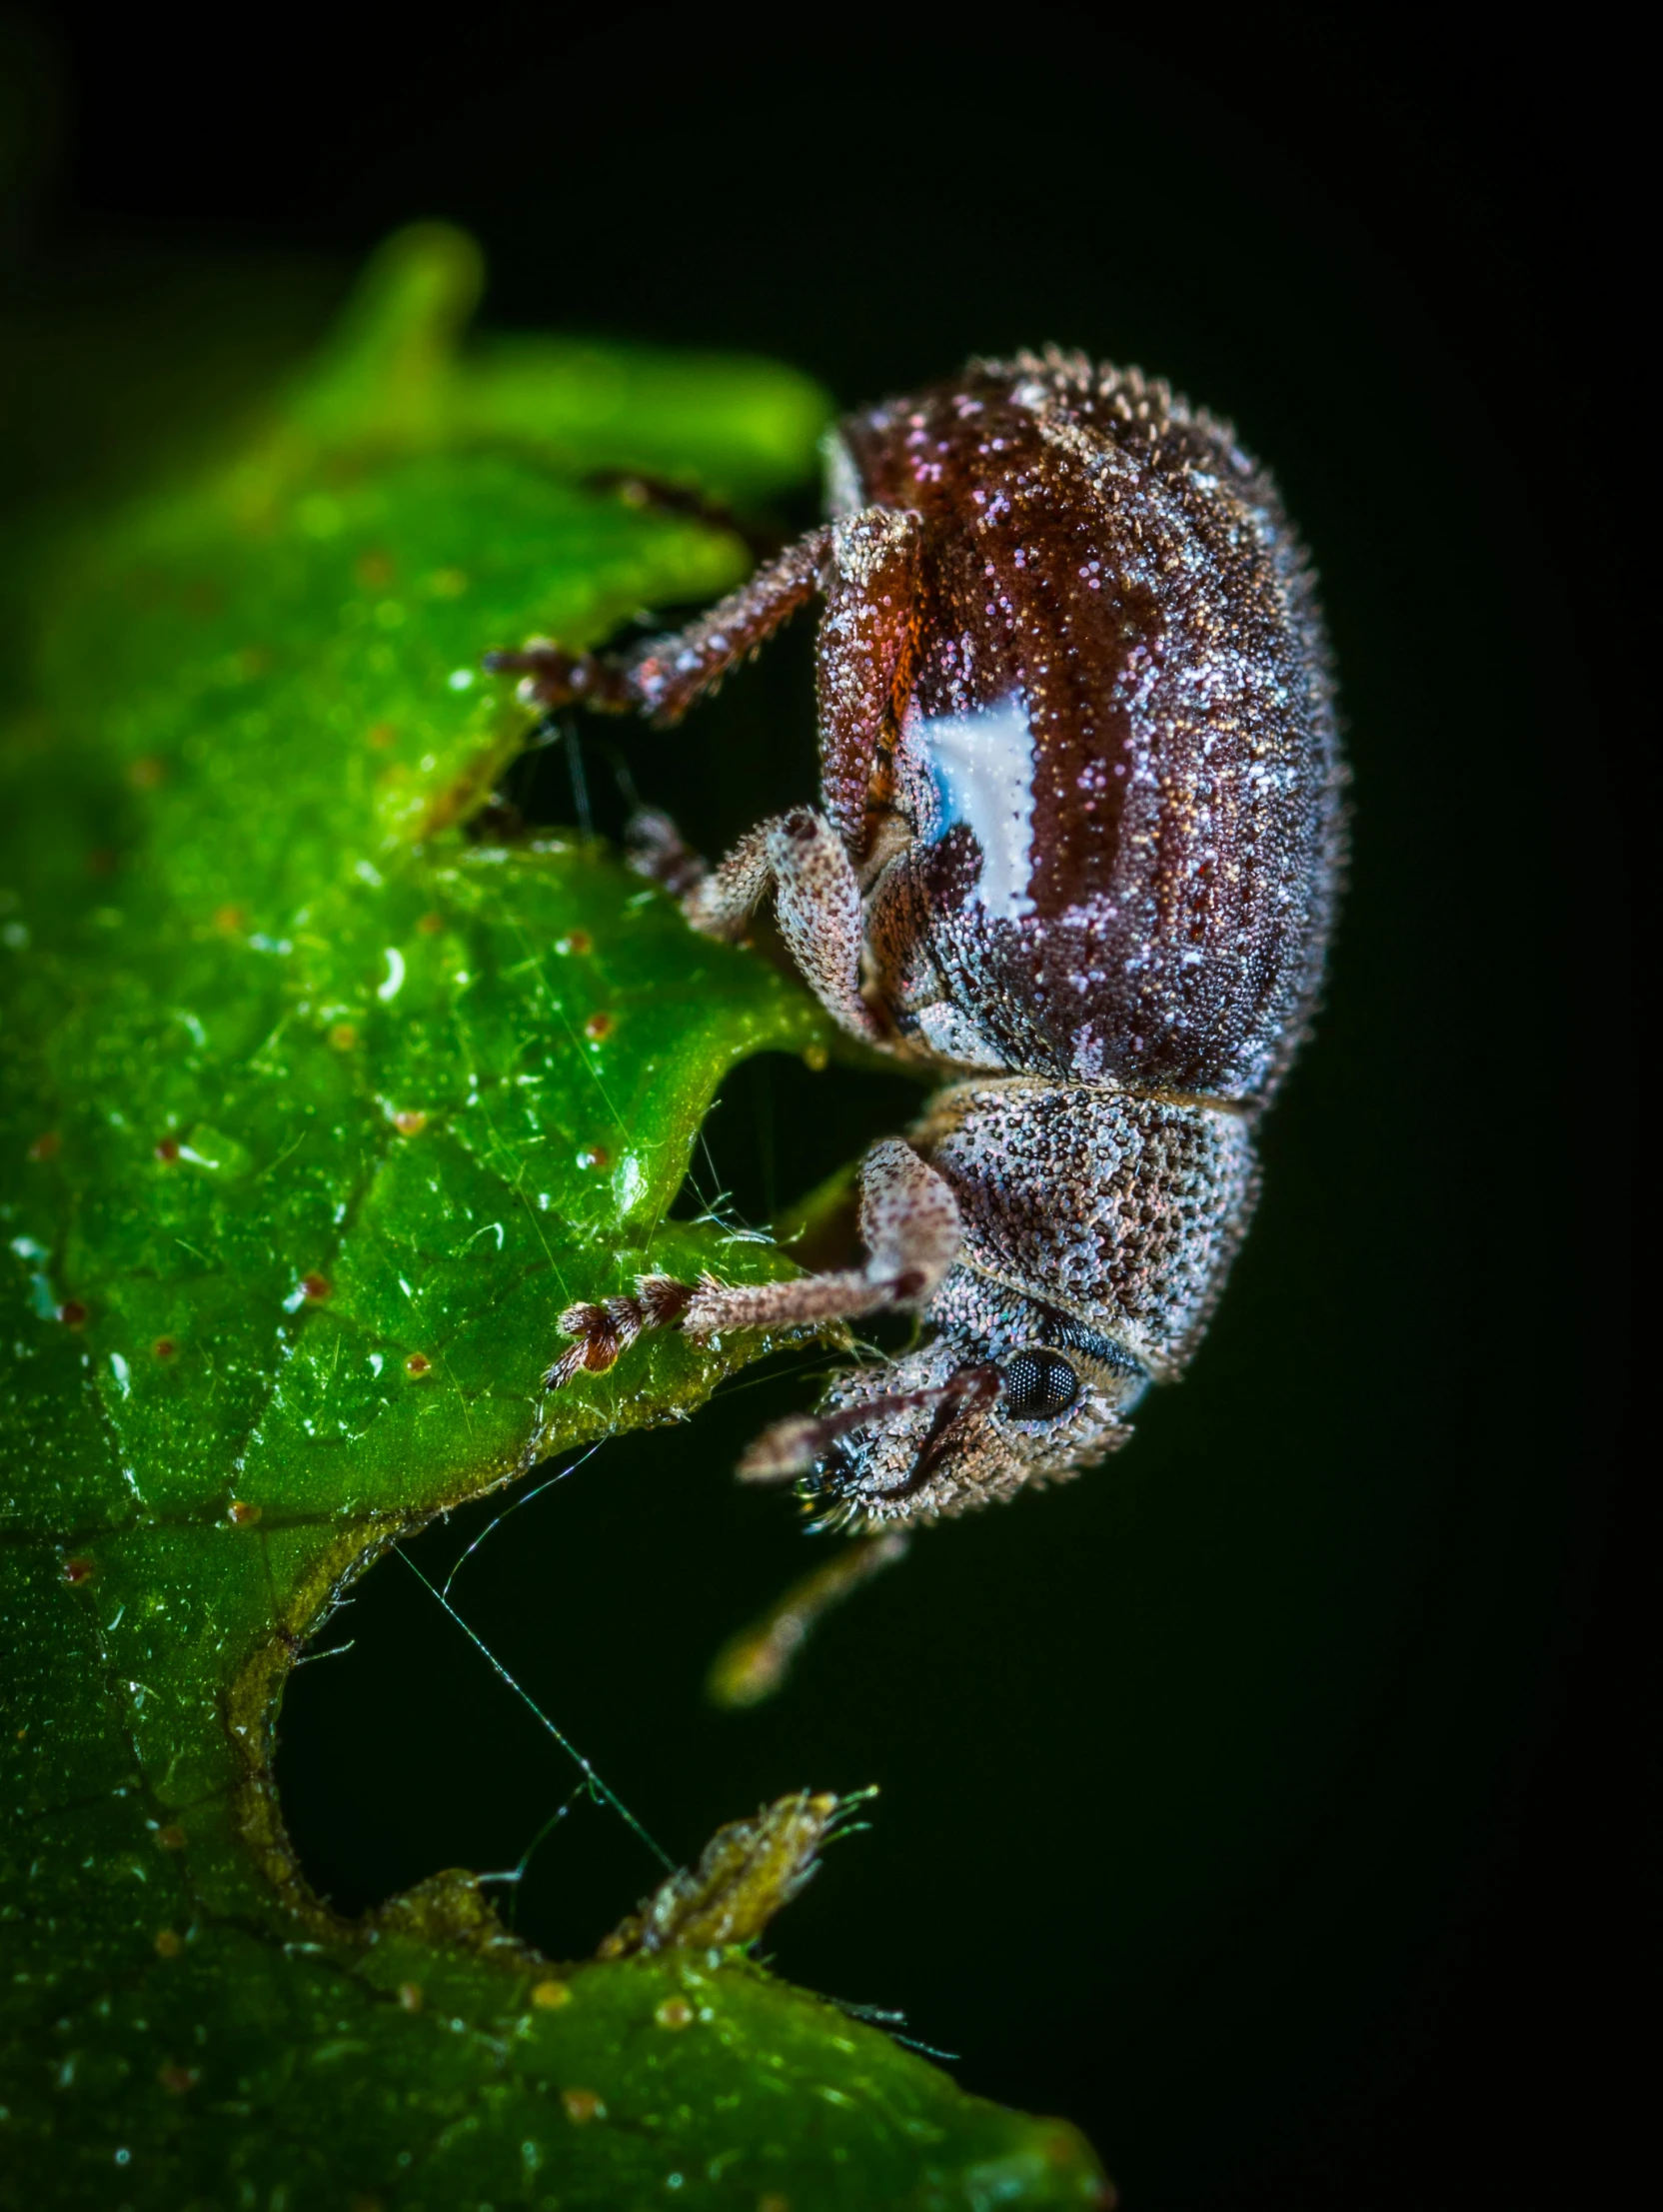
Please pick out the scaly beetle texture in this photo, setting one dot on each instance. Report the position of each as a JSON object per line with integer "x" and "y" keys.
{"x": 1077, "y": 848}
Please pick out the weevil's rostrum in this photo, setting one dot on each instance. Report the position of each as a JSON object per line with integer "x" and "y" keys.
{"x": 1077, "y": 847}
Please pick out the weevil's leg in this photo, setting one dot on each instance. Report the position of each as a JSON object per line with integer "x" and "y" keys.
{"x": 754, "y": 1664}
{"x": 864, "y": 652}
{"x": 816, "y": 902}
{"x": 910, "y": 1225}
{"x": 663, "y": 677}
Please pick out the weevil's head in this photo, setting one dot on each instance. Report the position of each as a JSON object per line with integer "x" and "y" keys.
{"x": 1028, "y": 1395}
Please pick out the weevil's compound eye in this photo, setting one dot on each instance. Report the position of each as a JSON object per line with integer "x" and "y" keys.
{"x": 1037, "y": 1386}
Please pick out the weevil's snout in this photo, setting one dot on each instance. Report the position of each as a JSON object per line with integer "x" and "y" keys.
{"x": 952, "y": 1425}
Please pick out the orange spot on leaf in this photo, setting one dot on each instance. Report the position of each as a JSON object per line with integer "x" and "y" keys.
{"x": 242, "y": 1514}
{"x": 73, "y": 1313}
{"x": 410, "y": 1123}
{"x": 314, "y": 1289}
{"x": 596, "y": 1027}
{"x": 77, "y": 1571}
{"x": 164, "y": 1347}
{"x": 47, "y": 1145}
{"x": 167, "y": 1148}
{"x": 417, "y": 1364}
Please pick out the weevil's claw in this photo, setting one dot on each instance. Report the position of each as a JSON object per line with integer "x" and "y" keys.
{"x": 597, "y": 1345}
{"x": 571, "y": 1362}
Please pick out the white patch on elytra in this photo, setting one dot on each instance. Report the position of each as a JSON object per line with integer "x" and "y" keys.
{"x": 982, "y": 764}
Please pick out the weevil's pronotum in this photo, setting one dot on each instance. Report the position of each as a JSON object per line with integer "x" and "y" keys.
{"x": 1078, "y": 846}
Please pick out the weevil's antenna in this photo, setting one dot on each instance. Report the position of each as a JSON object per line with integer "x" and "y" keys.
{"x": 793, "y": 1445}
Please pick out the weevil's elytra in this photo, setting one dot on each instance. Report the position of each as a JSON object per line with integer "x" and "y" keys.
{"x": 1077, "y": 847}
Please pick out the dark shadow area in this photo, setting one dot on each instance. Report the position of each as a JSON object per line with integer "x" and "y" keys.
{"x": 1258, "y": 1800}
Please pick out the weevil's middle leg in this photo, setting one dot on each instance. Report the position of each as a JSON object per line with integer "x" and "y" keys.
{"x": 910, "y": 1226}
{"x": 817, "y": 895}
{"x": 816, "y": 902}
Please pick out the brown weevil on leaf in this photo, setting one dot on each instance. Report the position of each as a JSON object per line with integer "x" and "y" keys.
{"x": 1077, "y": 848}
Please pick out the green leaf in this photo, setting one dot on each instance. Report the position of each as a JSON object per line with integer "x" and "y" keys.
{"x": 316, "y": 1109}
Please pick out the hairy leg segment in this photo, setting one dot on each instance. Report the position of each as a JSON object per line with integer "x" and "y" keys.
{"x": 911, "y": 1226}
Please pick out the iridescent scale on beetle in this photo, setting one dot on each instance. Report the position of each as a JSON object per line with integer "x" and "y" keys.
{"x": 1077, "y": 848}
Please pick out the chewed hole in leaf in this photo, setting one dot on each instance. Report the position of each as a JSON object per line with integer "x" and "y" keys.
{"x": 604, "y": 1599}
{"x": 328, "y": 1152}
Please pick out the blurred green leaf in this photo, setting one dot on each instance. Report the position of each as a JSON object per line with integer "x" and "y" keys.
{"x": 317, "y": 1109}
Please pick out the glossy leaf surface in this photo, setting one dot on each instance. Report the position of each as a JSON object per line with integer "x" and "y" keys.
{"x": 320, "y": 1103}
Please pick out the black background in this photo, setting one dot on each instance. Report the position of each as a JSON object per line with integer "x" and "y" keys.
{"x": 1259, "y": 1801}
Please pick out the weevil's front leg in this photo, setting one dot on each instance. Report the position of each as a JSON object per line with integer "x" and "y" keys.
{"x": 816, "y": 902}
{"x": 663, "y": 677}
{"x": 911, "y": 1226}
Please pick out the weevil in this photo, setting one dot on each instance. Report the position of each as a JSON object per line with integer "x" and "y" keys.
{"x": 1076, "y": 851}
